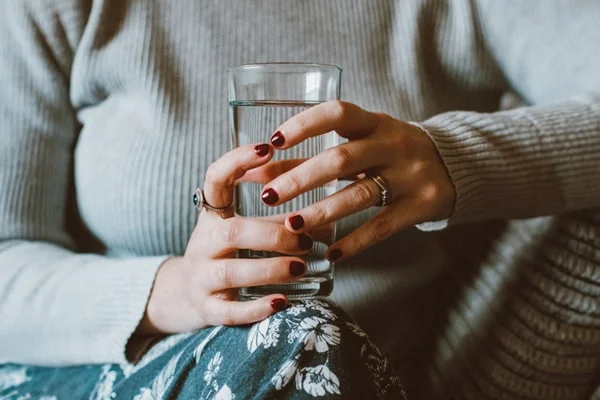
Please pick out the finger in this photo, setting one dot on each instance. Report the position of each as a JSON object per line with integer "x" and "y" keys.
{"x": 405, "y": 212}
{"x": 225, "y": 312}
{"x": 353, "y": 198}
{"x": 346, "y": 159}
{"x": 251, "y": 233}
{"x": 347, "y": 119}
{"x": 266, "y": 173}
{"x": 222, "y": 174}
{"x": 237, "y": 272}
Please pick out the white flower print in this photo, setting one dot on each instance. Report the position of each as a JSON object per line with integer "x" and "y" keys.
{"x": 198, "y": 351}
{"x": 155, "y": 351}
{"x": 257, "y": 335}
{"x": 293, "y": 335}
{"x": 356, "y": 329}
{"x": 379, "y": 368}
{"x": 322, "y": 307}
{"x": 285, "y": 374}
{"x": 144, "y": 394}
{"x": 317, "y": 381}
{"x": 375, "y": 361}
{"x": 272, "y": 337}
{"x": 224, "y": 394}
{"x": 296, "y": 309}
{"x": 104, "y": 387}
{"x": 48, "y": 398}
{"x": 214, "y": 366}
{"x": 161, "y": 383}
{"x": 12, "y": 376}
{"x": 319, "y": 335}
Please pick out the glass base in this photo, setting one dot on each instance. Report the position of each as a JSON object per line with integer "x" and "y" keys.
{"x": 302, "y": 289}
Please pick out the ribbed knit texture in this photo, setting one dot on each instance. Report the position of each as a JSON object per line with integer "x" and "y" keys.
{"x": 110, "y": 112}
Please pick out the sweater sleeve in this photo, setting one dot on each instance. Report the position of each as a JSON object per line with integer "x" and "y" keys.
{"x": 538, "y": 160}
{"x": 57, "y": 306}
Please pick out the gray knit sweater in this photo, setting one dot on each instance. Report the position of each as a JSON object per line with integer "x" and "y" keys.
{"x": 111, "y": 110}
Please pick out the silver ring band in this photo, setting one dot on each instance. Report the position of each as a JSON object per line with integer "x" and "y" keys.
{"x": 384, "y": 191}
{"x": 200, "y": 202}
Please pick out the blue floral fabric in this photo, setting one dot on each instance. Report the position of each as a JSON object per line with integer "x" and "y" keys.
{"x": 310, "y": 350}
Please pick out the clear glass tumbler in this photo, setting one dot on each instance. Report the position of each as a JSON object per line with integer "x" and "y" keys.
{"x": 262, "y": 97}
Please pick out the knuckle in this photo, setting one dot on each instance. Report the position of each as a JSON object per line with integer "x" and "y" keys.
{"x": 341, "y": 158}
{"x": 340, "y": 109}
{"x": 430, "y": 193}
{"x": 254, "y": 314}
{"x": 293, "y": 182}
{"x": 364, "y": 193}
{"x": 212, "y": 173}
{"x": 215, "y": 232}
{"x": 297, "y": 123}
{"x": 403, "y": 144}
{"x": 320, "y": 213}
{"x": 359, "y": 243}
{"x": 227, "y": 317}
{"x": 224, "y": 274}
{"x": 272, "y": 272}
{"x": 203, "y": 312}
{"x": 279, "y": 236}
{"x": 382, "y": 229}
{"x": 232, "y": 231}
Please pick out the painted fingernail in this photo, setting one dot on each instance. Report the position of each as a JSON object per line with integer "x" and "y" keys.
{"x": 270, "y": 196}
{"x": 277, "y": 139}
{"x": 335, "y": 255}
{"x": 297, "y": 268}
{"x": 297, "y": 222}
{"x": 278, "y": 304}
{"x": 305, "y": 242}
{"x": 262, "y": 149}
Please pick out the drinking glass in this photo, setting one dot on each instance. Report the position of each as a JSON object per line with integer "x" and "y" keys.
{"x": 262, "y": 97}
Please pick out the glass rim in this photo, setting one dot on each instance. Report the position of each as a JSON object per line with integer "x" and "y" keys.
{"x": 266, "y": 65}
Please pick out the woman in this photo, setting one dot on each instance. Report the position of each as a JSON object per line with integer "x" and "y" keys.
{"x": 114, "y": 110}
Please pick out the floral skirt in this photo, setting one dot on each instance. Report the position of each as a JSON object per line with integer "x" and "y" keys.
{"x": 310, "y": 350}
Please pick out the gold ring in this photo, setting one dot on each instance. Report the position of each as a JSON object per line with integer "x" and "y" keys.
{"x": 384, "y": 190}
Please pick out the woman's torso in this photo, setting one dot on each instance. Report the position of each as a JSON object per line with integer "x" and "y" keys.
{"x": 149, "y": 85}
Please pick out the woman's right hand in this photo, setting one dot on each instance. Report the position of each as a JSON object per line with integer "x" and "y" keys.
{"x": 199, "y": 289}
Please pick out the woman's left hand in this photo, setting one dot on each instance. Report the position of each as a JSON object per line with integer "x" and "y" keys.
{"x": 403, "y": 155}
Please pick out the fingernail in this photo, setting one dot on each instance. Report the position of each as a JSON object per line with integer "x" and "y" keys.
{"x": 297, "y": 268}
{"x": 277, "y": 139}
{"x": 262, "y": 149}
{"x": 297, "y": 222}
{"x": 305, "y": 242}
{"x": 269, "y": 196}
{"x": 278, "y": 304}
{"x": 335, "y": 255}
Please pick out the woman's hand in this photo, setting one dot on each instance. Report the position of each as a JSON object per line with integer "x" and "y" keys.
{"x": 378, "y": 145}
{"x": 200, "y": 288}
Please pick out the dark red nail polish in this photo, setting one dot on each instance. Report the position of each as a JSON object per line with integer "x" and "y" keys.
{"x": 278, "y": 304}
{"x": 297, "y": 268}
{"x": 335, "y": 255}
{"x": 297, "y": 222}
{"x": 262, "y": 149}
{"x": 270, "y": 196}
{"x": 305, "y": 242}
{"x": 277, "y": 139}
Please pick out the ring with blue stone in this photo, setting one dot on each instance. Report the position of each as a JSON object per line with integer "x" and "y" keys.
{"x": 200, "y": 202}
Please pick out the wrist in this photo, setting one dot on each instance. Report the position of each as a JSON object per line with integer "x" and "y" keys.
{"x": 164, "y": 292}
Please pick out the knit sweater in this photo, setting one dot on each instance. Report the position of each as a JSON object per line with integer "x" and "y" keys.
{"x": 110, "y": 112}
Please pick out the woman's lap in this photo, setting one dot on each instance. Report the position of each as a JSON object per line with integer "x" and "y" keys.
{"x": 309, "y": 350}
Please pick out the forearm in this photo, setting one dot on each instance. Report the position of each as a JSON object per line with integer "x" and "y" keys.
{"x": 521, "y": 163}
{"x": 61, "y": 308}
